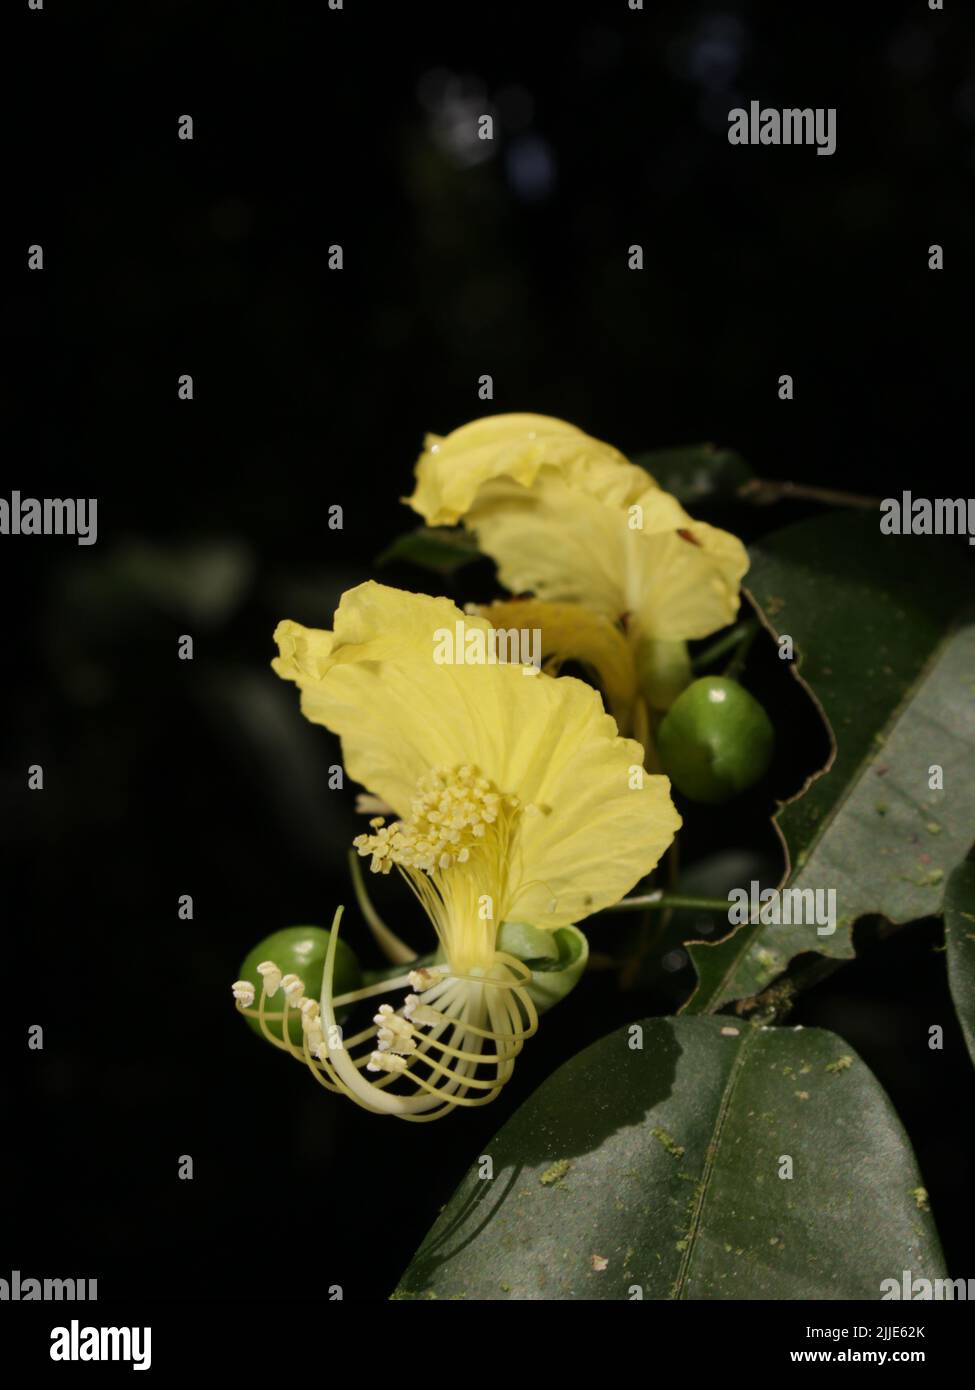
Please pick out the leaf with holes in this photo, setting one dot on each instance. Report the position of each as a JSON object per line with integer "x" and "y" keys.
{"x": 874, "y": 624}
{"x": 960, "y": 947}
{"x": 716, "y": 1161}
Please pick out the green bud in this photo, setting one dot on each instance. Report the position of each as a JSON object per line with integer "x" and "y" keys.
{"x": 300, "y": 951}
{"x": 715, "y": 741}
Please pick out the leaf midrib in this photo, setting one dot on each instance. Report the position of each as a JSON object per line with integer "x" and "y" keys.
{"x": 710, "y": 1163}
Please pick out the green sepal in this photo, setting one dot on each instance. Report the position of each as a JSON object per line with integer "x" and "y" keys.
{"x": 557, "y": 960}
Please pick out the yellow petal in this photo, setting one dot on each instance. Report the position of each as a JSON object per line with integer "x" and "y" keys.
{"x": 452, "y": 471}
{"x": 588, "y": 831}
{"x": 571, "y": 633}
{"x": 634, "y": 557}
{"x": 304, "y": 652}
{"x": 682, "y": 583}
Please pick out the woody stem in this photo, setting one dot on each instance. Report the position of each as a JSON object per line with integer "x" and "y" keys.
{"x": 664, "y": 901}
{"x": 764, "y": 490}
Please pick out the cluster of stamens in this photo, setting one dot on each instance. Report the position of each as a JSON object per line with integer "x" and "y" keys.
{"x": 396, "y": 1039}
{"x": 449, "y": 816}
{"x": 460, "y": 1052}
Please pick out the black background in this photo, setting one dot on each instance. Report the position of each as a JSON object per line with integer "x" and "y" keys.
{"x": 314, "y": 388}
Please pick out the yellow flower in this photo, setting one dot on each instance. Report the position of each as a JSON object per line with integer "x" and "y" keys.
{"x": 569, "y": 520}
{"x": 516, "y": 800}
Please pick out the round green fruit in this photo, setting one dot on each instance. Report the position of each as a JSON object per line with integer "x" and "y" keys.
{"x": 715, "y": 741}
{"x": 299, "y": 951}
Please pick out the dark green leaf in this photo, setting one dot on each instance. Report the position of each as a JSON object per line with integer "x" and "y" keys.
{"x": 960, "y": 943}
{"x": 665, "y": 1163}
{"x": 698, "y": 473}
{"x": 444, "y": 549}
{"x": 871, "y": 618}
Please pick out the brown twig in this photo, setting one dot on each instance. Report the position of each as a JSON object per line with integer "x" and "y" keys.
{"x": 764, "y": 491}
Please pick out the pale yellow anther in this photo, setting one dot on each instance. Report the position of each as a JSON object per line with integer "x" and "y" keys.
{"x": 294, "y": 988}
{"x": 449, "y": 816}
{"x": 423, "y": 1016}
{"x": 395, "y": 1039}
{"x": 271, "y": 976}
{"x": 426, "y": 977}
{"x": 386, "y": 1061}
{"x": 392, "y": 1023}
{"x": 243, "y": 992}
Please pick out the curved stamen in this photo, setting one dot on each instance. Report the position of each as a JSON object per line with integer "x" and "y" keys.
{"x": 454, "y": 1041}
